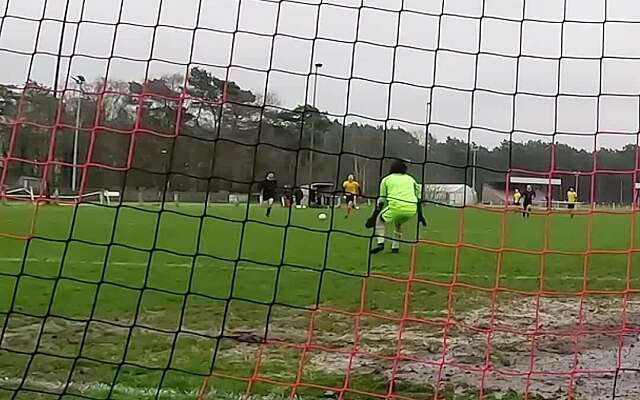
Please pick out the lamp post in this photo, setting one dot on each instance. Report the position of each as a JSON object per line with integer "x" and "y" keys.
{"x": 80, "y": 81}
{"x": 621, "y": 190}
{"x": 317, "y": 66}
{"x": 165, "y": 166}
{"x": 427, "y": 129}
{"x": 312, "y": 133}
{"x": 474, "y": 151}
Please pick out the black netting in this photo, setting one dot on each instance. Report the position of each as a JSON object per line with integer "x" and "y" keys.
{"x": 135, "y": 142}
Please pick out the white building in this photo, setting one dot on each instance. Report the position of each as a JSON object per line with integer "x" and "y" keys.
{"x": 453, "y": 194}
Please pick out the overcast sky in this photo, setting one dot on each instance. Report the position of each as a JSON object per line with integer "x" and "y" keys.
{"x": 379, "y": 57}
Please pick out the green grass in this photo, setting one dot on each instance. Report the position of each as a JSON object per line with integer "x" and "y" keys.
{"x": 139, "y": 276}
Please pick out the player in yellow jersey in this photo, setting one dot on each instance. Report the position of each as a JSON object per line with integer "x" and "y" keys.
{"x": 572, "y": 199}
{"x": 516, "y": 197}
{"x": 351, "y": 192}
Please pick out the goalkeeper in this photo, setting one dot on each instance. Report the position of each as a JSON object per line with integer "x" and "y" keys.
{"x": 399, "y": 201}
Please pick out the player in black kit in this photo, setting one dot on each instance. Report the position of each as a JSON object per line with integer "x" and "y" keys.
{"x": 527, "y": 200}
{"x": 269, "y": 188}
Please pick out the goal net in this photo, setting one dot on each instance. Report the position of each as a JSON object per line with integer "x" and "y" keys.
{"x": 214, "y": 247}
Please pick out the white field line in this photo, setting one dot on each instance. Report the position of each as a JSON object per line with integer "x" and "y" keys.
{"x": 250, "y": 268}
{"x": 131, "y": 392}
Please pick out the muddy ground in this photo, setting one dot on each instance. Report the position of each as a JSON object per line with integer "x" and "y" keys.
{"x": 570, "y": 357}
{"x": 558, "y": 364}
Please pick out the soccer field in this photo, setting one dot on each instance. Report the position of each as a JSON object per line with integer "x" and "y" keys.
{"x": 132, "y": 303}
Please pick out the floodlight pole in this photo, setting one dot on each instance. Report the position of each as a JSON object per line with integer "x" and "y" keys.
{"x": 74, "y": 171}
{"x": 313, "y": 131}
{"x": 164, "y": 153}
{"x": 474, "y": 152}
{"x": 80, "y": 81}
{"x": 427, "y": 128}
{"x": 621, "y": 190}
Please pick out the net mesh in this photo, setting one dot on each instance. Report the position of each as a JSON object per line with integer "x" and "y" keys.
{"x": 164, "y": 279}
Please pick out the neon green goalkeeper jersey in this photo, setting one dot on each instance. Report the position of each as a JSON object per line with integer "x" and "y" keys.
{"x": 400, "y": 192}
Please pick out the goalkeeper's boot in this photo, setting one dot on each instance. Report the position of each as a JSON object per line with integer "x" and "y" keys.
{"x": 395, "y": 251}
{"x": 378, "y": 249}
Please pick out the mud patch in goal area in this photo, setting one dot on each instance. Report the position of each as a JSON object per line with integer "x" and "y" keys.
{"x": 551, "y": 347}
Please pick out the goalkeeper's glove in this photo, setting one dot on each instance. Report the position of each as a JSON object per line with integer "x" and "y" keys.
{"x": 421, "y": 218}
{"x": 371, "y": 222}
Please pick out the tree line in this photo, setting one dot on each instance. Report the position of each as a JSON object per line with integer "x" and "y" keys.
{"x": 213, "y": 135}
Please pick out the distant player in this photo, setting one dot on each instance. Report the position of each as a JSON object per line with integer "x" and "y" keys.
{"x": 298, "y": 195}
{"x": 351, "y": 192}
{"x": 572, "y": 199}
{"x": 547, "y": 201}
{"x": 527, "y": 201}
{"x": 516, "y": 197}
{"x": 399, "y": 201}
{"x": 269, "y": 189}
{"x": 287, "y": 196}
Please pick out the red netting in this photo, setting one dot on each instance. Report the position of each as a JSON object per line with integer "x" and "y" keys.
{"x": 582, "y": 357}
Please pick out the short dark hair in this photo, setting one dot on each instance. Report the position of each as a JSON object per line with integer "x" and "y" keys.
{"x": 398, "y": 167}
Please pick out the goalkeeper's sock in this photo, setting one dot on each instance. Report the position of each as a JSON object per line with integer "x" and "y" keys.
{"x": 395, "y": 244}
{"x": 268, "y": 211}
{"x": 380, "y": 232}
{"x": 379, "y": 237}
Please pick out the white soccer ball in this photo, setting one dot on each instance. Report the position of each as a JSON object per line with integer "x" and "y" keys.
{"x": 322, "y": 216}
